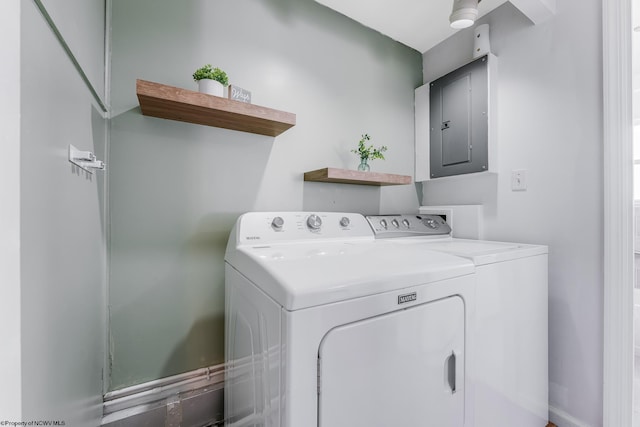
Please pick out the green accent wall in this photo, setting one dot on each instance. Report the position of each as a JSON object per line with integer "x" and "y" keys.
{"x": 175, "y": 189}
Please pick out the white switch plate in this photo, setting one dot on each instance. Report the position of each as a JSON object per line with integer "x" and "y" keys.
{"x": 519, "y": 180}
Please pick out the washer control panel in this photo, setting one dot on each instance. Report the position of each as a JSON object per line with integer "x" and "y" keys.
{"x": 408, "y": 225}
{"x": 272, "y": 227}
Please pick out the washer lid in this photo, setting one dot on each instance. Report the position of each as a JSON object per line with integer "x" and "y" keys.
{"x": 307, "y": 274}
{"x": 479, "y": 251}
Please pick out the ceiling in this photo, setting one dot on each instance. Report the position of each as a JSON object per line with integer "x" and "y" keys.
{"x": 420, "y": 24}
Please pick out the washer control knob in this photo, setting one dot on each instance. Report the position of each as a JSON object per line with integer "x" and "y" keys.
{"x": 431, "y": 223}
{"x": 395, "y": 223}
{"x": 383, "y": 223}
{"x": 345, "y": 221}
{"x": 277, "y": 223}
{"x": 405, "y": 222}
{"x": 314, "y": 222}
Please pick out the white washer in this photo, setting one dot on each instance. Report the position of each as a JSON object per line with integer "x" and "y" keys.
{"x": 511, "y": 317}
{"x": 327, "y": 326}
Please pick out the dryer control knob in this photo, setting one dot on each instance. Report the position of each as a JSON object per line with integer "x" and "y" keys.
{"x": 383, "y": 223}
{"x": 345, "y": 221}
{"x": 395, "y": 223}
{"x": 277, "y": 223}
{"x": 314, "y": 222}
{"x": 431, "y": 223}
{"x": 405, "y": 222}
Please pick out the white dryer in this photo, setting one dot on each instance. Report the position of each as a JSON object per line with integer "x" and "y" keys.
{"x": 327, "y": 326}
{"x": 510, "y": 329}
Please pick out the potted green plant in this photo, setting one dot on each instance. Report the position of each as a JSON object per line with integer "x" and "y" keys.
{"x": 211, "y": 80}
{"x": 367, "y": 154}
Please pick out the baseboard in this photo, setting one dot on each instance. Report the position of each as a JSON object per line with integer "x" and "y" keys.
{"x": 196, "y": 399}
{"x": 562, "y": 419}
{"x": 192, "y": 399}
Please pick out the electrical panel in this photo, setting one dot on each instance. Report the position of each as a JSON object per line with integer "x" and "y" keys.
{"x": 459, "y": 116}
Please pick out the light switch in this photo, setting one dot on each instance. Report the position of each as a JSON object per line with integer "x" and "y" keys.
{"x": 519, "y": 180}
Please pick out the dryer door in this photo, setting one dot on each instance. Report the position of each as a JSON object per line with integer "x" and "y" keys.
{"x": 404, "y": 368}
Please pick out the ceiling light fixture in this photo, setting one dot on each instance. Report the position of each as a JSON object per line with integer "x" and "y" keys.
{"x": 464, "y": 13}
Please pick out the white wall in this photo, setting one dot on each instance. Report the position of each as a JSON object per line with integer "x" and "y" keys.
{"x": 81, "y": 23}
{"x": 10, "y": 383}
{"x": 63, "y": 248}
{"x": 177, "y": 188}
{"x": 549, "y": 123}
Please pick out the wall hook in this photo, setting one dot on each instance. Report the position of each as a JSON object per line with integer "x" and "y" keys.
{"x": 85, "y": 160}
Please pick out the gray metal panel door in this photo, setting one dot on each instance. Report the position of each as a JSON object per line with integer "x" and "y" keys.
{"x": 458, "y": 120}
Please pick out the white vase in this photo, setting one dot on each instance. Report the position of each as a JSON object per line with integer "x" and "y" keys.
{"x": 211, "y": 87}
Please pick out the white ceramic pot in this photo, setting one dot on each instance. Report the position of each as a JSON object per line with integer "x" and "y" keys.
{"x": 211, "y": 87}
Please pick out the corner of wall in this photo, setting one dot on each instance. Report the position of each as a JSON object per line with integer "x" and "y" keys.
{"x": 10, "y": 327}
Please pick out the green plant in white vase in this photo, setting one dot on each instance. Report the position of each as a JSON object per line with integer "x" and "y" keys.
{"x": 369, "y": 153}
{"x": 211, "y": 80}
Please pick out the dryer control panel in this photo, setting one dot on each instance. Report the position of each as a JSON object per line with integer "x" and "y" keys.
{"x": 276, "y": 227}
{"x": 407, "y": 225}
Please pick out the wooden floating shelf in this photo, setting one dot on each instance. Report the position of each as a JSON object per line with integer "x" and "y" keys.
{"x": 345, "y": 176}
{"x": 173, "y": 103}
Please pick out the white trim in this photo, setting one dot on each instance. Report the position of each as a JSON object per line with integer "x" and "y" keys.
{"x": 108, "y": 22}
{"x": 106, "y": 371}
{"x": 422, "y": 134}
{"x": 618, "y": 215}
{"x": 561, "y": 418}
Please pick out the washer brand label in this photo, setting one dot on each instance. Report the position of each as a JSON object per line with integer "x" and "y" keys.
{"x": 253, "y": 237}
{"x": 403, "y": 299}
